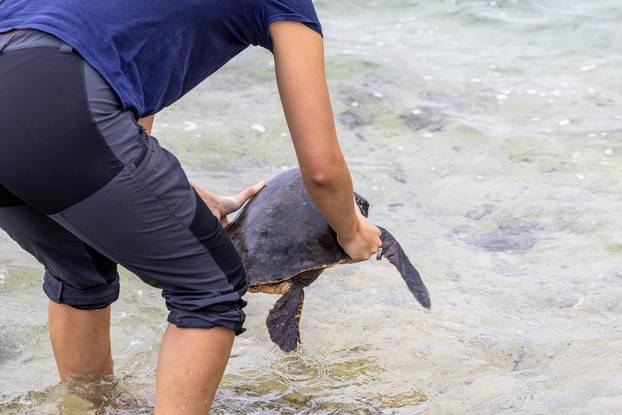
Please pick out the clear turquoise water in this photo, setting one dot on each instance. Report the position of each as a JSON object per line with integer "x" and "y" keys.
{"x": 488, "y": 138}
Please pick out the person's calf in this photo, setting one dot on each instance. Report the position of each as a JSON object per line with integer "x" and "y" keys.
{"x": 190, "y": 366}
{"x": 81, "y": 342}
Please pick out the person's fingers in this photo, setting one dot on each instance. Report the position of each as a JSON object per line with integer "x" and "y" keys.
{"x": 243, "y": 196}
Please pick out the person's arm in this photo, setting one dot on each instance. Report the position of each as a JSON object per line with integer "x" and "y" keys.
{"x": 147, "y": 123}
{"x": 299, "y": 62}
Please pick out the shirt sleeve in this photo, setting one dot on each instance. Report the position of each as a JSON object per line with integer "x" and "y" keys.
{"x": 301, "y": 11}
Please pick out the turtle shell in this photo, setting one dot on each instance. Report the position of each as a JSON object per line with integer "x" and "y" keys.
{"x": 281, "y": 233}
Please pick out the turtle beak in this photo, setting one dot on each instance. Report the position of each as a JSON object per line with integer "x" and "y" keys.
{"x": 362, "y": 203}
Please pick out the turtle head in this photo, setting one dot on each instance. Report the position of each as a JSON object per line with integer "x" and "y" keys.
{"x": 362, "y": 203}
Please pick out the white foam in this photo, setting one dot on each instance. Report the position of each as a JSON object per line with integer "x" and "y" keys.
{"x": 427, "y": 135}
{"x": 587, "y": 68}
{"x": 259, "y": 128}
{"x": 190, "y": 126}
{"x": 564, "y": 122}
{"x": 579, "y": 304}
{"x": 608, "y": 152}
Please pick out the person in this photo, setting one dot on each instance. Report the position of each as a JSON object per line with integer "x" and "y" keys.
{"x": 84, "y": 186}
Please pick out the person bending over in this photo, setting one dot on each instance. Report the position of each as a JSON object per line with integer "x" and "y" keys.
{"x": 84, "y": 186}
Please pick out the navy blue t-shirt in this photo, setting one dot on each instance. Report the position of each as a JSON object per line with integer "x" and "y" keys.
{"x": 152, "y": 52}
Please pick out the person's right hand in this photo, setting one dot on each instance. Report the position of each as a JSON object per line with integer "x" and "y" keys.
{"x": 364, "y": 243}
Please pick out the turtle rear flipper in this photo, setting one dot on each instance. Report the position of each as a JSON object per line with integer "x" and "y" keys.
{"x": 284, "y": 318}
{"x": 392, "y": 250}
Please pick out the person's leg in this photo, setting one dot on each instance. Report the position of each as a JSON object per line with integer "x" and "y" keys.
{"x": 81, "y": 342}
{"x": 190, "y": 366}
{"x": 80, "y": 282}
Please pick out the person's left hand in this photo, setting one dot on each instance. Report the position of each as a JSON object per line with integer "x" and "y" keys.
{"x": 221, "y": 206}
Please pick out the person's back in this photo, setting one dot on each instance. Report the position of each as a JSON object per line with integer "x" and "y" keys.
{"x": 153, "y": 52}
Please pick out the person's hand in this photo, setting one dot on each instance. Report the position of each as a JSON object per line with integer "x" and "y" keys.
{"x": 221, "y": 206}
{"x": 364, "y": 243}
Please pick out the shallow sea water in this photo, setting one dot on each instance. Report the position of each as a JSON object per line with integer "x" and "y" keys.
{"x": 488, "y": 137}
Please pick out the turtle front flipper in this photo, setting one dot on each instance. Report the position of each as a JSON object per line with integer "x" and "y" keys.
{"x": 284, "y": 318}
{"x": 392, "y": 250}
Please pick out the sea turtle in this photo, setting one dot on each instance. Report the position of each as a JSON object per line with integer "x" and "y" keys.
{"x": 285, "y": 244}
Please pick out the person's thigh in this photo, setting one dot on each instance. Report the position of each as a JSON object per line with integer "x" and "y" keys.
{"x": 98, "y": 175}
